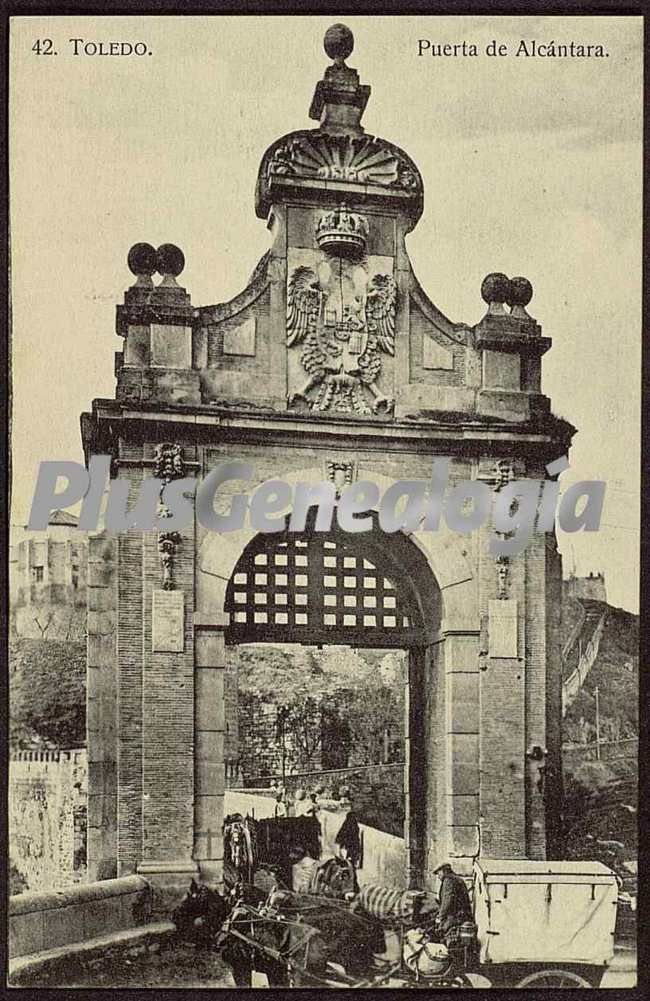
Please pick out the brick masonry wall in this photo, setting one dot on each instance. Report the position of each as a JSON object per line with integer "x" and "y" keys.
{"x": 130, "y": 689}
{"x": 102, "y": 708}
{"x": 502, "y": 724}
{"x": 168, "y": 708}
{"x": 47, "y": 805}
{"x": 165, "y": 719}
{"x": 231, "y": 739}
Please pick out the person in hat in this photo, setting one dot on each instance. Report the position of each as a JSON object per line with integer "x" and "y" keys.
{"x": 348, "y": 839}
{"x": 455, "y": 905}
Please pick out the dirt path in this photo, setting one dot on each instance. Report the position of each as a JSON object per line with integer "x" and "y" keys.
{"x": 182, "y": 966}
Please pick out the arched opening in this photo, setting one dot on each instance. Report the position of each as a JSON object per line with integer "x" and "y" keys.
{"x": 292, "y": 600}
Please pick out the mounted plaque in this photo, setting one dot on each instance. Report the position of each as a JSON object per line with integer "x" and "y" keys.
{"x": 503, "y": 628}
{"x": 167, "y": 622}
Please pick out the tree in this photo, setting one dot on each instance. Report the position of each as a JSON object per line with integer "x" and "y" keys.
{"x": 301, "y": 722}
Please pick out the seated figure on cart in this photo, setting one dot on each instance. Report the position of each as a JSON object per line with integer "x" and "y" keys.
{"x": 455, "y": 905}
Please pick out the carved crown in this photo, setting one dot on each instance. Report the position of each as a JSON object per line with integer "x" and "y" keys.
{"x": 342, "y": 232}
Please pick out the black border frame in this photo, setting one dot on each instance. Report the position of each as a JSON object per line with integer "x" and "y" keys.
{"x": 112, "y": 8}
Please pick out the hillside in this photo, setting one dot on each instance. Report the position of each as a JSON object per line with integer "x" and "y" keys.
{"x": 299, "y": 671}
{"x": 47, "y": 694}
{"x": 616, "y": 674}
{"x": 600, "y": 797}
{"x": 47, "y": 681}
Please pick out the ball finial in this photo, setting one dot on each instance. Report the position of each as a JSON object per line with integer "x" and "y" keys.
{"x": 520, "y": 292}
{"x": 338, "y": 42}
{"x": 142, "y": 260}
{"x": 495, "y": 288}
{"x": 170, "y": 260}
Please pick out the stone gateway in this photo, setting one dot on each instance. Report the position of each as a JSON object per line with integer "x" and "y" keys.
{"x": 333, "y": 364}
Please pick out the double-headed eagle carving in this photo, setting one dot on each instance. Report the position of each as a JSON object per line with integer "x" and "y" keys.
{"x": 343, "y": 332}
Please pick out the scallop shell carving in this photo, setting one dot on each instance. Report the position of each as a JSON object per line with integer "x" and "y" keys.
{"x": 341, "y": 158}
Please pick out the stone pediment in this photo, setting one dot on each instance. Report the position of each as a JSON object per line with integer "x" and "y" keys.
{"x": 333, "y": 321}
{"x": 257, "y": 284}
{"x": 354, "y": 164}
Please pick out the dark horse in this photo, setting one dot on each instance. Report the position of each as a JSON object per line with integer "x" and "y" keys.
{"x": 200, "y": 917}
{"x": 289, "y": 937}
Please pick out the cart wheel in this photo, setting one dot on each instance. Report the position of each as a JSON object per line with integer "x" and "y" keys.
{"x": 553, "y": 978}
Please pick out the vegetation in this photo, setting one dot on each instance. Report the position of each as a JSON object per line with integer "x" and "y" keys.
{"x": 47, "y": 693}
{"x": 356, "y": 697}
{"x": 600, "y": 812}
{"x": 616, "y": 675}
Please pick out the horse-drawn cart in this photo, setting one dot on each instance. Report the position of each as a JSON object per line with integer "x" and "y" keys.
{"x": 545, "y": 924}
{"x": 536, "y": 924}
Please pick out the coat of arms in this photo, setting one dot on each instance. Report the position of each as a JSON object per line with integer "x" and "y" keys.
{"x": 343, "y": 319}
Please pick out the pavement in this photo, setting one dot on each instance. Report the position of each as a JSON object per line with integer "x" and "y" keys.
{"x": 623, "y": 971}
{"x": 185, "y": 966}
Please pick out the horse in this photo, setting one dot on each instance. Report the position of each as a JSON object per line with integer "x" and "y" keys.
{"x": 289, "y": 937}
{"x": 207, "y": 919}
{"x": 200, "y": 915}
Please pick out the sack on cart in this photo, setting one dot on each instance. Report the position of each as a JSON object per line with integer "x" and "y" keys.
{"x": 422, "y": 955}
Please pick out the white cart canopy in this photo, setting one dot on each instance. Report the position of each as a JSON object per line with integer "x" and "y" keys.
{"x": 545, "y": 912}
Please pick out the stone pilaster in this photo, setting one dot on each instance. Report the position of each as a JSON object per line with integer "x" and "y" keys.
{"x": 461, "y": 667}
{"x": 502, "y": 707}
{"x": 101, "y": 708}
{"x": 209, "y": 767}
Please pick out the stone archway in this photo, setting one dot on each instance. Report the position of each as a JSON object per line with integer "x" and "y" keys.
{"x": 442, "y": 739}
{"x": 197, "y": 386}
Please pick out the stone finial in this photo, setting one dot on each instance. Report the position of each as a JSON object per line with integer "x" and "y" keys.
{"x": 170, "y": 261}
{"x": 339, "y": 99}
{"x": 338, "y": 43}
{"x": 495, "y": 290}
{"x": 142, "y": 262}
{"x": 520, "y": 292}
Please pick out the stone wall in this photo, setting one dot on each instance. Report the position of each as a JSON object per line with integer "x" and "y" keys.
{"x": 48, "y": 584}
{"x": 47, "y": 817}
{"x": 39, "y": 922}
{"x": 323, "y": 740}
{"x": 262, "y": 749}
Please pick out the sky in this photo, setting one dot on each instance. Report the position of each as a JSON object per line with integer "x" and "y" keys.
{"x": 531, "y": 166}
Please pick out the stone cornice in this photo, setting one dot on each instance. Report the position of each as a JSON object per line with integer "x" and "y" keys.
{"x": 206, "y": 424}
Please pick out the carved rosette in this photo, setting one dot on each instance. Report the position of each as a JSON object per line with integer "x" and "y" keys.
{"x": 168, "y": 466}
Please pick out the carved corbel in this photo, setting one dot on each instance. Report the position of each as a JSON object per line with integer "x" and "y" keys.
{"x": 168, "y": 466}
{"x": 341, "y": 473}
